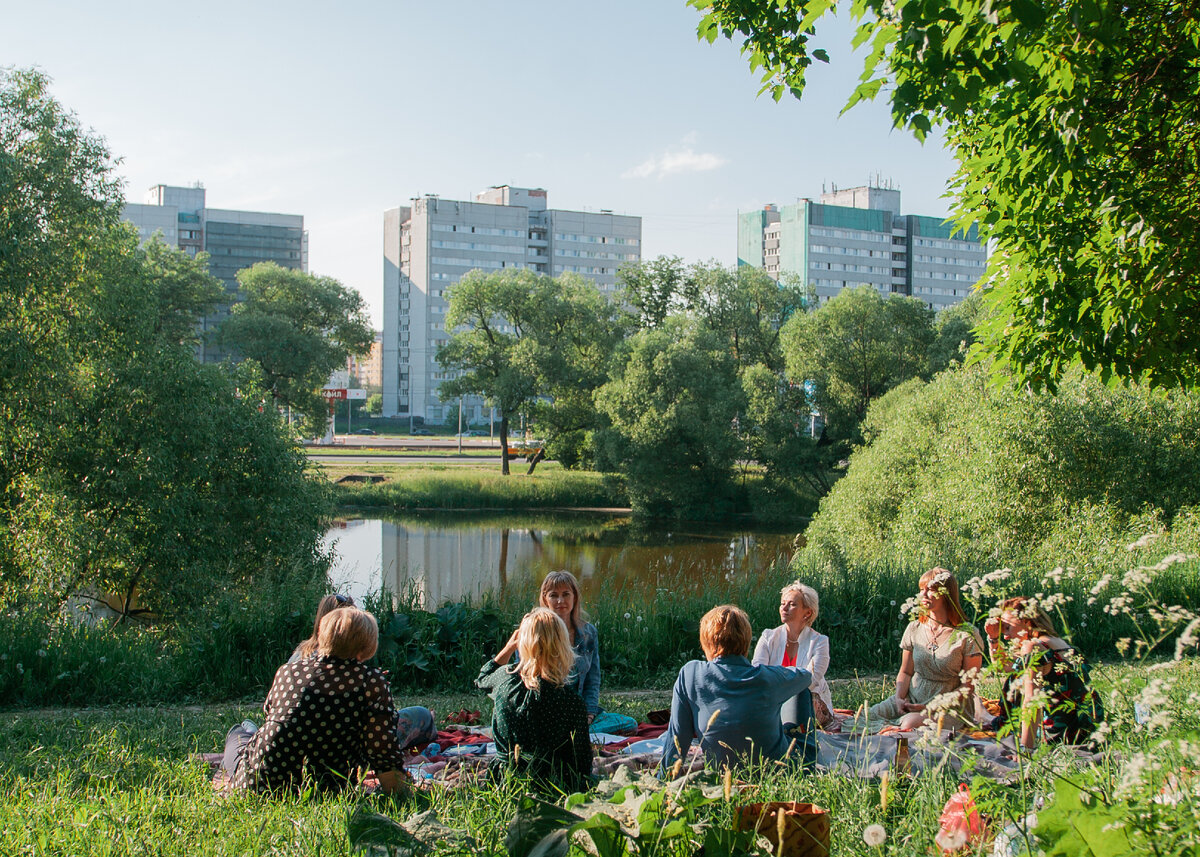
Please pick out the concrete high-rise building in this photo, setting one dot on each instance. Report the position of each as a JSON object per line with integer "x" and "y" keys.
{"x": 233, "y": 239}
{"x": 430, "y": 244}
{"x": 858, "y": 236}
{"x": 367, "y": 368}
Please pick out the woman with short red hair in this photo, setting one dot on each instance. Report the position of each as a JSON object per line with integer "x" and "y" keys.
{"x": 732, "y": 706}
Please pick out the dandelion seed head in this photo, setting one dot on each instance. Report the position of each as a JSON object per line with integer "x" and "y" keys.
{"x": 874, "y": 835}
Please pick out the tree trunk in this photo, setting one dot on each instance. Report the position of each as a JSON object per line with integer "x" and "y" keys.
{"x": 533, "y": 461}
{"x": 503, "y": 559}
{"x": 504, "y": 444}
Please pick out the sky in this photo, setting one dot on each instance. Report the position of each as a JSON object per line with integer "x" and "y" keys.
{"x": 341, "y": 111}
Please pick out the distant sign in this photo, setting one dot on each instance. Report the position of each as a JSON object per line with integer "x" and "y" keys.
{"x": 339, "y": 393}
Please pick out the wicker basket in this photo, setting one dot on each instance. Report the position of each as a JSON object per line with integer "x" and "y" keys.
{"x": 805, "y": 827}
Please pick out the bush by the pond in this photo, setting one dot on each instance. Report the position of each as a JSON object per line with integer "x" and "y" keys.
{"x": 958, "y": 472}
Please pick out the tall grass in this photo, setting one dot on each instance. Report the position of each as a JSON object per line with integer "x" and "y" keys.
{"x": 435, "y": 487}
{"x": 645, "y": 635}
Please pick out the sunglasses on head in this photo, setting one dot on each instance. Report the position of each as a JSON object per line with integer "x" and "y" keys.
{"x": 343, "y": 600}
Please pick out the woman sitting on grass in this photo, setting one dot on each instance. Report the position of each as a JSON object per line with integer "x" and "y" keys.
{"x": 327, "y": 717}
{"x": 539, "y": 722}
{"x": 940, "y": 652}
{"x": 414, "y": 724}
{"x": 560, "y": 594}
{"x": 308, "y": 648}
{"x": 796, "y": 644}
{"x": 1042, "y": 666}
{"x": 734, "y": 707}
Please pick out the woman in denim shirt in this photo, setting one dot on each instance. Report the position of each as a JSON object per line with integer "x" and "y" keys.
{"x": 560, "y": 593}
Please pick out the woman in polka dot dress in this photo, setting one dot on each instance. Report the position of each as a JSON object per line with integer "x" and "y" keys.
{"x": 327, "y": 718}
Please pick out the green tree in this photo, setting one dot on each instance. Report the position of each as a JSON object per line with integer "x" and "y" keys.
{"x": 776, "y": 429}
{"x": 656, "y": 288}
{"x": 853, "y": 349}
{"x": 374, "y": 405}
{"x": 578, "y": 333}
{"x": 747, "y": 308}
{"x": 954, "y": 332}
{"x": 488, "y": 317}
{"x": 533, "y": 344}
{"x": 297, "y": 328}
{"x": 671, "y": 406}
{"x": 1075, "y": 125}
{"x": 124, "y": 464}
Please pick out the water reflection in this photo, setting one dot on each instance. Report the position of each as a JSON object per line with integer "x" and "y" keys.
{"x": 449, "y": 557}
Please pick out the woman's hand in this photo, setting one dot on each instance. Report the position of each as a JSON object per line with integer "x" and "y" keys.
{"x": 908, "y": 707}
{"x": 992, "y": 628}
{"x": 510, "y": 648}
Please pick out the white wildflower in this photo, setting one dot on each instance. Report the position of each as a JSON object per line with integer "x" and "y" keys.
{"x": 951, "y": 840}
{"x": 41, "y": 653}
{"x": 1054, "y": 578}
{"x": 103, "y": 659}
{"x": 627, "y": 615}
{"x": 874, "y": 835}
{"x": 1144, "y": 541}
{"x": 21, "y": 669}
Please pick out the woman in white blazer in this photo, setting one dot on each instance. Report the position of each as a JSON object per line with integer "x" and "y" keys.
{"x": 795, "y": 643}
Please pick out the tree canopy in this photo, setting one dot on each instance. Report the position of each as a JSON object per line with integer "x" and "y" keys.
{"x": 125, "y": 466}
{"x": 298, "y": 328}
{"x": 672, "y": 406}
{"x": 1077, "y": 129}
{"x": 855, "y": 348}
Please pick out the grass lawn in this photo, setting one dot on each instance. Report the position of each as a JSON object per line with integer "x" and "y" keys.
{"x": 120, "y": 782}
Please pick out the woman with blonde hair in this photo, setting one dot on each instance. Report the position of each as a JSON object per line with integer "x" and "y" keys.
{"x": 539, "y": 722}
{"x": 940, "y": 653}
{"x": 1044, "y": 667}
{"x": 795, "y": 644}
{"x": 560, "y": 593}
{"x": 326, "y": 605}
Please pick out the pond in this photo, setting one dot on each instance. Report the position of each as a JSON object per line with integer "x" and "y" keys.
{"x": 455, "y": 556}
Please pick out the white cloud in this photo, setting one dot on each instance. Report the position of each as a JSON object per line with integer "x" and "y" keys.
{"x": 680, "y": 159}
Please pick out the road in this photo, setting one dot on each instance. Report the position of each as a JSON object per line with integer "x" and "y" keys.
{"x": 348, "y": 460}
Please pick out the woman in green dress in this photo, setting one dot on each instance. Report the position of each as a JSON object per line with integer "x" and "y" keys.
{"x": 540, "y": 722}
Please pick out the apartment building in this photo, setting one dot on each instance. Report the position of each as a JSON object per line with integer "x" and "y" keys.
{"x": 431, "y": 243}
{"x": 233, "y": 239}
{"x": 858, "y": 236}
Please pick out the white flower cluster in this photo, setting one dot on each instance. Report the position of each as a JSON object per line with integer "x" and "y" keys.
{"x": 1139, "y": 772}
{"x": 1055, "y": 577}
{"x": 1188, "y": 639}
{"x": 911, "y": 608}
{"x": 986, "y": 584}
{"x": 1144, "y": 541}
{"x": 1102, "y": 584}
{"x": 1154, "y": 700}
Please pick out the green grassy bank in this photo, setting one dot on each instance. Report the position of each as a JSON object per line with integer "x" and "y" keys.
{"x": 463, "y": 486}
{"x": 432, "y": 486}
{"x": 119, "y": 782}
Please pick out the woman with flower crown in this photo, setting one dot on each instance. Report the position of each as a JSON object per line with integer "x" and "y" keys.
{"x": 940, "y": 654}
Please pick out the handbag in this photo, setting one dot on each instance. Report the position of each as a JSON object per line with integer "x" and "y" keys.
{"x": 803, "y": 827}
